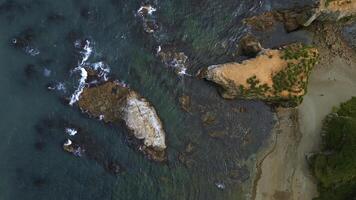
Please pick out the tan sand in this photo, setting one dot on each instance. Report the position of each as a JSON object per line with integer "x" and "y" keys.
{"x": 263, "y": 67}
{"x": 282, "y": 170}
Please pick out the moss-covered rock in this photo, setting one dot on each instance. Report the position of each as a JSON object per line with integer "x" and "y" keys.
{"x": 278, "y": 76}
{"x": 335, "y": 166}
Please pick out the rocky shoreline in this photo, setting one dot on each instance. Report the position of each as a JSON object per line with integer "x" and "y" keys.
{"x": 282, "y": 170}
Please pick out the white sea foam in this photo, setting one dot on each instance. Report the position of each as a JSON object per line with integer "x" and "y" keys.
{"x": 68, "y": 142}
{"x": 87, "y": 51}
{"x": 71, "y": 131}
{"x": 159, "y": 49}
{"x": 146, "y": 9}
{"x": 61, "y": 87}
{"x": 102, "y": 69}
{"x": 101, "y": 117}
{"x": 76, "y": 95}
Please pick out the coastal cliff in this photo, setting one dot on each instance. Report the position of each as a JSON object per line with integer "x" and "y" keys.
{"x": 278, "y": 76}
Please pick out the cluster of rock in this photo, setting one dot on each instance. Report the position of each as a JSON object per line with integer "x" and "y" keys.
{"x": 278, "y": 75}
{"x": 113, "y": 102}
{"x": 293, "y": 19}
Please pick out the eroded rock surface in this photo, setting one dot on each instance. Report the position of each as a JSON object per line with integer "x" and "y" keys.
{"x": 279, "y": 75}
{"x": 113, "y": 102}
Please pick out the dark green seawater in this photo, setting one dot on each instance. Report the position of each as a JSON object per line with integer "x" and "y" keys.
{"x": 33, "y": 164}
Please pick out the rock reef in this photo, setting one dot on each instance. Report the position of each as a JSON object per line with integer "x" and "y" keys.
{"x": 113, "y": 102}
{"x": 298, "y": 17}
{"x": 276, "y": 75}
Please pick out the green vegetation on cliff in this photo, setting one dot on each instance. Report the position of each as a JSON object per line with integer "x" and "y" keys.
{"x": 292, "y": 79}
{"x": 335, "y": 166}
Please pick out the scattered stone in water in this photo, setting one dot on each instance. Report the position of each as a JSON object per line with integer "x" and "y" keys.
{"x": 114, "y": 168}
{"x": 75, "y": 149}
{"x": 186, "y": 160}
{"x": 185, "y": 102}
{"x": 208, "y": 118}
{"x": 189, "y": 148}
{"x": 24, "y": 41}
{"x": 177, "y": 60}
{"x": 217, "y": 134}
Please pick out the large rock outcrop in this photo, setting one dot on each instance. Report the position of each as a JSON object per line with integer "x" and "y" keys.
{"x": 300, "y": 16}
{"x": 113, "y": 102}
{"x": 278, "y": 76}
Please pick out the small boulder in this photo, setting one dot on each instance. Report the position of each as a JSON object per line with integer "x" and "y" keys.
{"x": 250, "y": 46}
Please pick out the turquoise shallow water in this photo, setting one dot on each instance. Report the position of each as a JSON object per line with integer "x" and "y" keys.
{"x": 33, "y": 164}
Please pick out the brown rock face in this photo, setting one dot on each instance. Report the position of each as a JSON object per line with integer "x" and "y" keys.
{"x": 112, "y": 102}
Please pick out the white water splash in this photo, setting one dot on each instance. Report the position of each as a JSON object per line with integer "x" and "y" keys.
{"x": 146, "y": 9}
{"x": 68, "y": 142}
{"x": 221, "y": 186}
{"x": 76, "y": 95}
{"x": 102, "y": 69}
{"x": 87, "y": 51}
{"x": 159, "y": 49}
{"x": 71, "y": 131}
{"x": 101, "y": 117}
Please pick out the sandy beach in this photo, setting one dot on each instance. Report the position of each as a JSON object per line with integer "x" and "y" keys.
{"x": 282, "y": 170}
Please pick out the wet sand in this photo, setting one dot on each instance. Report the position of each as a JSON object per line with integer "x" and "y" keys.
{"x": 282, "y": 170}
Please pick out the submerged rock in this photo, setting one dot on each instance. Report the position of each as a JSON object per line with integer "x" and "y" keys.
{"x": 278, "y": 76}
{"x": 250, "y": 46}
{"x": 73, "y": 148}
{"x": 113, "y": 102}
{"x": 185, "y": 102}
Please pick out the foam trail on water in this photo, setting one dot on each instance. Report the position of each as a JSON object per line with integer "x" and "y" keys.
{"x": 87, "y": 51}
{"x": 79, "y": 90}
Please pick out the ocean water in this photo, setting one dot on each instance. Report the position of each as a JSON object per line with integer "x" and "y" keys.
{"x": 39, "y": 49}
